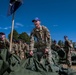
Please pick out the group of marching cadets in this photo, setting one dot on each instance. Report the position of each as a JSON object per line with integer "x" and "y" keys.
{"x": 41, "y": 36}
{"x": 65, "y": 50}
{"x": 18, "y": 46}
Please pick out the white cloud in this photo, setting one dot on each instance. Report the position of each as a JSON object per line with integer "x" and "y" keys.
{"x": 55, "y": 25}
{"x": 19, "y": 24}
{"x": 5, "y": 28}
{"x": 9, "y": 27}
{"x": 29, "y": 25}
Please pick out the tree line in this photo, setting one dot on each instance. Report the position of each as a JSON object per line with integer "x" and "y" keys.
{"x": 23, "y": 36}
{"x": 26, "y": 38}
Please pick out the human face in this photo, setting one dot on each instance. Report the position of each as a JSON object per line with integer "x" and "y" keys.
{"x": 2, "y": 37}
{"x": 37, "y": 24}
{"x": 66, "y": 38}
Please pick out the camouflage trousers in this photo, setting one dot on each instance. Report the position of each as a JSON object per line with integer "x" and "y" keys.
{"x": 68, "y": 57}
{"x": 47, "y": 56}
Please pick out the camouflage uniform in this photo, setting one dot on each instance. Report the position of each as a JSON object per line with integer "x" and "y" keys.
{"x": 55, "y": 47}
{"x": 26, "y": 49}
{"x": 20, "y": 48}
{"x": 43, "y": 41}
{"x": 15, "y": 47}
{"x": 4, "y": 44}
{"x": 68, "y": 52}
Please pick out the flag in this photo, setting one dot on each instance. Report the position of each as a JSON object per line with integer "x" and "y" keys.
{"x": 13, "y": 6}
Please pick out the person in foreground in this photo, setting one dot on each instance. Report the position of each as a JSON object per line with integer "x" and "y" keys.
{"x": 41, "y": 36}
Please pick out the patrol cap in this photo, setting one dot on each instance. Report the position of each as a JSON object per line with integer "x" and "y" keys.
{"x": 13, "y": 40}
{"x": 36, "y": 19}
{"x": 55, "y": 41}
{"x": 1, "y": 33}
{"x": 65, "y": 36}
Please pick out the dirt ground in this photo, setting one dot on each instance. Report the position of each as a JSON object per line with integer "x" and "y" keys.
{"x": 73, "y": 66}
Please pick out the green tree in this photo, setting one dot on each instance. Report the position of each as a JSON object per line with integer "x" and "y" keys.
{"x": 24, "y": 36}
{"x": 15, "y": 35}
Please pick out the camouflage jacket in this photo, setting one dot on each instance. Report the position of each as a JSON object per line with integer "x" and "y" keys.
{"x": 55, "y": 47}
{"x": 15, "y": 47}
{"x": 68, "y": 44}
{"x": 4, "y": 44}
{"x": 41, "y": 37}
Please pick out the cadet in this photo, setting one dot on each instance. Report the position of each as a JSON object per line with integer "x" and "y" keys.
{"x": 68, "y": 46}
{"x": 55, "y": 46}
{"x": 43, "y": 40}
{"x": 20, "y": 48}
{"x": 26, "y": 49}
{"x": 4, "y": 43}
{"x": 15, "y": 47}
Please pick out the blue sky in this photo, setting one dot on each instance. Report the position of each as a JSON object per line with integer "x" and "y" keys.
{"x": 59, "y": 16}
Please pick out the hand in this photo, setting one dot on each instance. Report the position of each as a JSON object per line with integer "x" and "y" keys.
{"x": 46, "y": 51}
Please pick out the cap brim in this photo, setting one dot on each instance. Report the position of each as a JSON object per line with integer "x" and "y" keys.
{"x": 33, "y": 20}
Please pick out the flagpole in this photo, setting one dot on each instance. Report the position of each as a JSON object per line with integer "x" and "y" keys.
{"x": 12, "y": 32}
